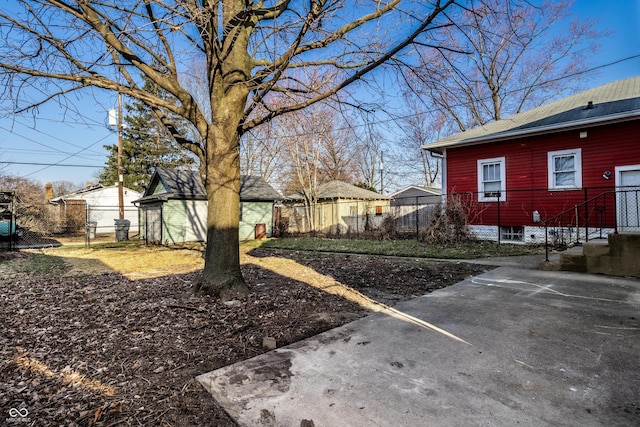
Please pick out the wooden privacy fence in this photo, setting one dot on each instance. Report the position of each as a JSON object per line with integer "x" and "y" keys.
{"x": 354, "y": 217}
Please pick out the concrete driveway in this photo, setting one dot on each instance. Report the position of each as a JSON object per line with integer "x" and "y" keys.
{"x": 508, "y": 347}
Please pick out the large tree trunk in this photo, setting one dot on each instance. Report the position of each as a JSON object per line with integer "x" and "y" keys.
{"x": 221, "y": 276}
{"x": 229, "y": 90}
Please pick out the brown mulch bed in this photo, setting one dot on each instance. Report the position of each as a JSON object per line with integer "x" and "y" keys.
{"x": 103, "y": 350}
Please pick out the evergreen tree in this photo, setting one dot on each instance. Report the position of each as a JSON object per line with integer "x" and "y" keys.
{"x": 145, "y": 146}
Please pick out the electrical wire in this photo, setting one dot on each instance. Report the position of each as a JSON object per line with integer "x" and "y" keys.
{"x": 54, "y": 149}
{"x": 66, "y": 165}
{"x": 66, "y": 158}
{"x": 47, "y": 134}
{"x": 373, "y": 122}
{"x": 42, "y": 152}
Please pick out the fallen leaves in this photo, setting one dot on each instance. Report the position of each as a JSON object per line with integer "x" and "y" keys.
{"x": 101, "y": 349}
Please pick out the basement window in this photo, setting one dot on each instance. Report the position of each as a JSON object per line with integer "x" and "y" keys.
{"x": 512, "y": 233}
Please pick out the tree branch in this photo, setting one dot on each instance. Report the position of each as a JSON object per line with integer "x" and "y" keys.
{"x": 438, "y": 8}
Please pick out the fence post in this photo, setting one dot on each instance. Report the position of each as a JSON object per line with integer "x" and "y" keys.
{"x": 417, "y": 220}
{"x": 357, "y": 219}
{"x": 499, "y": 195}
{"x": 13, "y": 237}
{"x": 546, "y": 241}
{"x": 87, "y": 236}
{"x": 615, "y": 210}
{"x": 586, "y": 217}
{"x": 578, "y": 226}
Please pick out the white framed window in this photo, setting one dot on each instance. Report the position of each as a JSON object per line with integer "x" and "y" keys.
{"x": 565, "y": 169}
{"x": 492, "y": 180}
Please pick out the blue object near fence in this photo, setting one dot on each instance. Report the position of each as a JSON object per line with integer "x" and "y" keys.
{"x": 4, "y": 228}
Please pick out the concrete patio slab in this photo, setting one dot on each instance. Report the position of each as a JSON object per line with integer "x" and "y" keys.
{"x": 508, "y": 347}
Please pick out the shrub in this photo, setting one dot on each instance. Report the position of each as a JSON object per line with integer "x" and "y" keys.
{"x": 449, "y": 223}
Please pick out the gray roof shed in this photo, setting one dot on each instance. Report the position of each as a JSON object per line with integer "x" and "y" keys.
{"x": 186, "y": 184}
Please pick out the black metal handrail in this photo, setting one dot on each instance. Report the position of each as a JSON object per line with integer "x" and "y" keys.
{"x": 601, "y": 209}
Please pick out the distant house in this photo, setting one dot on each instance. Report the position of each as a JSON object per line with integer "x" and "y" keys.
{"x": 98, "y": 204}
{"x": 412, "y": 206}
{"x": 340, "y": 207}
{"x": 173, "y": 208}
{"x": 416, "y": 195}
{"x": 567, "y": 155}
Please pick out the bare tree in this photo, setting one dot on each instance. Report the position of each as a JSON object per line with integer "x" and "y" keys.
{"x": 304, "y": 146}
{"x": 371, "y": 144}
{"x": 420, "y": 128}
{"x": 320, "y": 147}
{"x": 262, "y": 153}
{"x": 339, "y": 146}
{"x": 62, "y": 187}
{"x": 503, "y": 57}
{"x": 249, "y": 50}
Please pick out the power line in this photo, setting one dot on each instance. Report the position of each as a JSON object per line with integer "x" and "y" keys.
{"x": 41, "y": 152}
{"x": 13, "y": 132}
{"x": 575, "y": 74}
{"x": 49, "y": 165}
{"x": 68, "y": 157}
{"x": 394, "y": 119}
{"x": 87, "y": 123}
{"x": 57, "y": 150}
{"x": 373, "y": 122}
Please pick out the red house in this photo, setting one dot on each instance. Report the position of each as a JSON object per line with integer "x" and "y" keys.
{"x": 573, "y": 165}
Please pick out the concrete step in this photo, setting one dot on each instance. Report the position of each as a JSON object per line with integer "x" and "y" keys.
{"x": 549, "y": 266}
{"x": 596, "y": 248}
{"x": 573, "y": 259}
{"x": 621, "y": 258}
{"x": 616, "y": 256}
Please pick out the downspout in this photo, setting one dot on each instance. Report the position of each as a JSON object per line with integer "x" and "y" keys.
{"x": 443, "y": 171}
{"x": 443, "y": 177}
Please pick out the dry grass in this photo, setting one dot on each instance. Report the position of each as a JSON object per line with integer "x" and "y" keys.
{"x": 132, "y": 261}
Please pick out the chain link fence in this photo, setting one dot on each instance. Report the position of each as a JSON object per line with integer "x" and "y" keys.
{"x": 73, "y": 221}
{"x": 517, "y": 216}
{"x": 534, "y": 216}
{"x": 560, "y": 217}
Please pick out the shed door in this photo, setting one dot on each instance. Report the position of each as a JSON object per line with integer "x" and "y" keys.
{"x": 628, "y": 201}
{"x": 154, "y": 224}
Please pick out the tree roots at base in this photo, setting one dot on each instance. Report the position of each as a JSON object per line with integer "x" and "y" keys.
{"x": 226, "y": 289}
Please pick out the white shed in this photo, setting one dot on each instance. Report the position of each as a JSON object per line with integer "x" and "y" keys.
{"x": 101, "y": 206}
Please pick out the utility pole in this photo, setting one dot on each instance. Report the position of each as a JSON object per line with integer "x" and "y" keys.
{"x": 120, "y": 170}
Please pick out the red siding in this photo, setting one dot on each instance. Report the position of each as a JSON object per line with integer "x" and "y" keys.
{"x": 526, "y": 171}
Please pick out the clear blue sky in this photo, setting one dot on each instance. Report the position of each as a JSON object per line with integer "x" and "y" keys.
{"x": 52, "y": 137}
{"x": 622, "y": 18}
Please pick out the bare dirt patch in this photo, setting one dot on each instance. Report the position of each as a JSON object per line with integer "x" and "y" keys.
{"x": 102, "y": 349}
